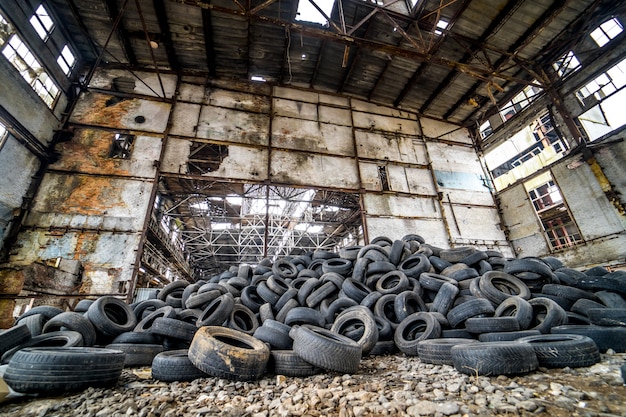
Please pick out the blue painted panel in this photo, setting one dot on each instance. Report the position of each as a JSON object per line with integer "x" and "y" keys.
{"x": 461, "y": 180}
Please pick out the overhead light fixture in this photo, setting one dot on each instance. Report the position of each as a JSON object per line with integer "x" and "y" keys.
{"x": 257, "y": 78}
{"x": 154, "y": 44}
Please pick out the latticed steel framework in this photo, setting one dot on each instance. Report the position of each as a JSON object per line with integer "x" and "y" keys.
{"x": 224, "y": 224}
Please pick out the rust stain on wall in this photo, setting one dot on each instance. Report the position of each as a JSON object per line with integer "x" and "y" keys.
{"x": 88, "y": 151}
{"x": 107, "y": 110}
{"x": 83, "y": 195}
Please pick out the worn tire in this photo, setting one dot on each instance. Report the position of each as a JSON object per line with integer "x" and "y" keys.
{"x": 546, "y": 314}
{"x": 494, "y": 358}
{"x": 358, "y": 316}
{"x": 174, "y": 365}
{"x": 605, "y": 337}
{"x": 228, "y": 353}
{"x": 326, "y": 349}
{"x": 437, "y": 351}
{"x": 111, "y": 316}
{"x": 173, "y": 328}
{"x": 288, "y": 363}
{"x": 217, "y": 312}
{"x": 72, "y": 321}
{"x": 476, "y": 307}
{"x": 58, "y": 369}
{"x": 63, "y": 339}
{"x": 14, "y": 337}
{"x": 415, "y": 328}
{"x": 516, "y": 307}
{"x": 137, "y": 354}
{"x": 563, "y": 350}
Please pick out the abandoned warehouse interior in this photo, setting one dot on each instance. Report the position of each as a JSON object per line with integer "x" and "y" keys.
{"x": 148, "y": 141}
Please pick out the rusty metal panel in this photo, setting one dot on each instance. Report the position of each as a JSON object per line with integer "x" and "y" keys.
{"x": 599, "y": 252}
{"x": 298, "y": 95}
{"x": 235, "y": 126}
{"x": 521, "y": 222}
{"x": 400, "y": 206}
{"x": 89, "y": 152}
{"x": 433, "y": 230}
{"x": 591, "y": 210}
{"x": 137, "y": 82}
{"x": 366, "y": 107}
{"x": 445, "y": 131}
{"x": 302, "y": 168}
{"x": 396, "y": 177}
{"x": 295, "y": 109}
{"x": 334, "y": 100}
{"x": 237, "y": 100}
{"x": 370, "y": 179}
{"x": 470, "y": 197}
{"x": 91, "y": 202}
{"x": 194, "y": 93}
{"x": 454, "y": 158}
{"x": 473, "y": 223}
{"x": 107, "y": 258}
{"x": 98, "y": 109}
{"x": 420, "y": 181}
{"x": 395, "y": 124}
{"x": 308, "y": 135}
{"x": 185, "y": 118}
{"x": 378, "y": 145}
{"x": 335, "y": 115}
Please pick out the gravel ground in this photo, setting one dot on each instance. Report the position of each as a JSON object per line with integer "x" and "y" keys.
{"x": 384, "y": 386}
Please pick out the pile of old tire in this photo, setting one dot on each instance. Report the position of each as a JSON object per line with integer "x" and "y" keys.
{"x": 322, "y": 311}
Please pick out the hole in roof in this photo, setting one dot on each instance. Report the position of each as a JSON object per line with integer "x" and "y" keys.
{"x": 257, "y": 78}
{"x": 308, "y": 13}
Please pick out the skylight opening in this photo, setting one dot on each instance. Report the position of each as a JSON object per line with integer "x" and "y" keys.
{"x": 443, "y": 25}
{"x": 66, "y": 60}
{"x": 308, "y": 13}
{"x": 42, "y": 22}
{"x": 258, "y": 78}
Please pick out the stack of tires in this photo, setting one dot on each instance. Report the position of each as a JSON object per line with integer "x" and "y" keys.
{"x": 323, "y": 311}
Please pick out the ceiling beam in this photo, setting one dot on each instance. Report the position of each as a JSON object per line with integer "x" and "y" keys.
{"x": 524, "y": 40}
{"x": 504, "y": 15}
{"x": 161, "y": 14}
{"x": 209, "y": 44}
{"x": 122, "y": 33}
{"x": 313, "y": 31}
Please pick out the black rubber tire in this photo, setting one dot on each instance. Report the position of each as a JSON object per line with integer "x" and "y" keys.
{"x": 607, "y": 316}
{"x": 456, "y": 255}
{"x": 34, "y": 323}
{"x": 407, "y": 303}
{"x": 173, "y": 328}
{"x": 266, "y": 313}
{"x": 147, "y": 305}
{"x": 599, "y": 283}
{"x": 228, "y": 353}
{"x": 437, "y": 351}
{"x": 494, "y": 358}
{"x": 243, "y": 319}
{"x": 478, "y": 325}
{"x": 286, "y": 362}
{"x": 611, "y": 299}
{"x": 137, "y": 354}
{"x": 326, "y": 349}
{"x": 14, "y": 337}
{"x": 203, "y": 299}
{"x": 415, "y": 328}
{"x": 567, "y": 292}
{"x": 145, "y": 338}
{"x": 393, "y": 282}
{"x": 358, "y": 316}
{"x": 276, "y": 337}
{"x": 337, "y": 265}
{"x": 111, "y": 316}
{"x": 251, "y": 298}
{"x": 606, "y": 337}
{"x": 397, "y": 251}
{"x": 350, "y": 252}
{"x": 277, "y": 284}
{"x": 217, "y": 312}
{"x": 336, "y": 307}
{"x": 506, "y": 336}
{"x": 72, "y": 321}
{"x": 516, "y": 307}
{"x": 174, "y": 365}
{"x": 563, "y": 350}
{"x": 290, "y": 294}
{"x": 474, "y": 258}
{"x": 445, "y": 299}
{"x": 175, "y": 298}
{"x": 63, "y": 369}
{"x": 456, "y": 334}
{"x": 583, "y": 305}
{"x": 284, "y": 268}
{"x": 385, "y": 308}
{"x": 464, "y": 274}
{"x": 517, "y": 266}
{"x": 476, "y": 307}
{"x": 433, "y": 282}
{"x": 146, "y": 323}
{"x": 497, "y": 286}
{"x": 266, "y": 294}
{"x": 304, "y": 315}
{"x": 414, "y": 265}
{"x": 355, "y": 289}
{"x": 307, "y": 289}
{"x": 47, "y": 311}
{"x": 326, "y": 290}
{"x": 546, "y": 314}
{"x": 171, "y": 287}
{"x": 82, "y": 306}
{"x": 438, "y": 263}
{"x": 384, "y": 347}
{"x": 59, "y": 339}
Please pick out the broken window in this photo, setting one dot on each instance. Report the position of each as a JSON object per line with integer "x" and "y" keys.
{"x": 42, "y": 22}
{"x": 121, "y": 146}
{"x": 382, "y": 174}
{"x": 603, "y": 85}
{"x": 521, "y": 100}
{"x": 607, "y": 31}
{"x": 557, "y": 223}
{"x": 307, "y": 12}
{"x": 566, "y": 65}
{"x": 206, "y": 157}
{"x": 20, "y": 56}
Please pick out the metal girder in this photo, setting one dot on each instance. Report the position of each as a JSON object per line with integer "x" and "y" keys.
{"x": 209, "y": 45}
{"x": 472, "y": 70}
{"x": 122, "y": 33}
{"x": 159, "y": 8}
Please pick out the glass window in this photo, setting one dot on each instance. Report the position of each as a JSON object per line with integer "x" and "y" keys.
{"x": 567, "y": 64}
{"x": 42, "y": 22}
{"x": 66, "y": 60}
{"x": 30, "y": 69}
{"x": 607, "y": 31}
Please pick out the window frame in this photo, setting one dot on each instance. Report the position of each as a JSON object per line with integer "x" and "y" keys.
{"x": 38, "y": 17}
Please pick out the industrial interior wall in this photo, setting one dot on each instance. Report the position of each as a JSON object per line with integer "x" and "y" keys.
{"x": 414, "y": 175}
{"x": 599, "y": 217}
